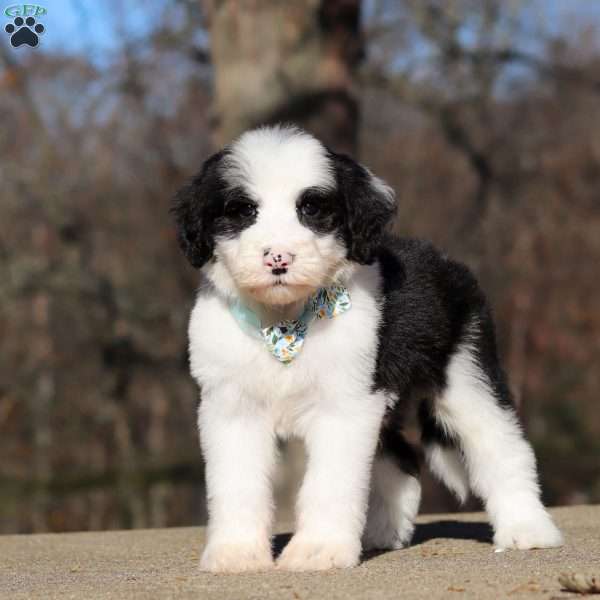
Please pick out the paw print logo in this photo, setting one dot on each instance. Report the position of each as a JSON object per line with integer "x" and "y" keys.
{"x": 24, "y": 32}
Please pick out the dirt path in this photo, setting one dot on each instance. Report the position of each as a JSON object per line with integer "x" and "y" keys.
{"x": 451, "y": 558}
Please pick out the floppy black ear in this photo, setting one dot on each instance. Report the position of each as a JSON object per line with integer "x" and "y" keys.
{"x": 195, "y": 207}
{"x": 369, "y": 205}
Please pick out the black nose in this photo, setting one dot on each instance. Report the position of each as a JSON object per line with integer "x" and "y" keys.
{"x": 279, "y": 271}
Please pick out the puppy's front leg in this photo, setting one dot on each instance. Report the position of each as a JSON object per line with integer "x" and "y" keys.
{"x": 239, "y": 450}
{"x": 340, "y": 440}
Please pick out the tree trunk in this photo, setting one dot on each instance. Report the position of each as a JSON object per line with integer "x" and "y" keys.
{"x": 293, "y": 62}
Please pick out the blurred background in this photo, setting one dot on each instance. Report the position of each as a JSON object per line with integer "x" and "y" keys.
{"x": 484, "y": 115}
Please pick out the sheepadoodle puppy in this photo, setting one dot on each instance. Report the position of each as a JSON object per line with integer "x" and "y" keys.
{"x": 311, "y": 321}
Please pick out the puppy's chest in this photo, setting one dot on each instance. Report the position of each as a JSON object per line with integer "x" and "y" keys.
{"x": 333, "y": 362}
{"x": 337, "y": 358}
{"x": 332, "y": 349}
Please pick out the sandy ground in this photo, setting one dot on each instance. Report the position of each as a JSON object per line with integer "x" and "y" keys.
{"x": 451, "y": 557}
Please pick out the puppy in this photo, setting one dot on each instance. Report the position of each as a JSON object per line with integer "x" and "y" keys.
{"x": 311, "y": 321}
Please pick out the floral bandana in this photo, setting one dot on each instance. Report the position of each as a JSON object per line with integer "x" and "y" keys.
{"x": 285, "y": 339}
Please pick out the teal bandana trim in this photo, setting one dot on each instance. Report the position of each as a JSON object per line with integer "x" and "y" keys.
{"x": 285, "y": 339}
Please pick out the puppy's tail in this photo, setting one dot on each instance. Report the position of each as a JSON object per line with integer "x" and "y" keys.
{"x": 442, "y": 453}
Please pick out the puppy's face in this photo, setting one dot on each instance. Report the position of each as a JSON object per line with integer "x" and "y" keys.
{"x": 276, "y": 215}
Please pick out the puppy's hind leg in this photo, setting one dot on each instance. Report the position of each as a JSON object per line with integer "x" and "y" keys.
{"x": 395, "y": 494}
{"x": 444, "y": 457}
{"x": 475, "y": 410}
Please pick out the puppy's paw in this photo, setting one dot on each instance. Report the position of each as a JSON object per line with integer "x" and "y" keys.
{"x": 387, "y": 530}
{"x": 389, "y": 539}
{"x": 535, "y": 532}
{"x": 236, "y": 558}
{"x": 310, "y": 554}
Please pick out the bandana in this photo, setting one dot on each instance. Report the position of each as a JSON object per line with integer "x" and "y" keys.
{"x": 285, "y": 339}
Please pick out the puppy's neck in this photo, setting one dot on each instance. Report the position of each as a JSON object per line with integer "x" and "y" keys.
{"x": 271, "y": 314}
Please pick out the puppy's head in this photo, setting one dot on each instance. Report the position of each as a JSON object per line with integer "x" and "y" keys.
{"x": 276, "y": 215}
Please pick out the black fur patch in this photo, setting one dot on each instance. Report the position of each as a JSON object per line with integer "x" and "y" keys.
{"x": 234, "y": 218}
{"x": 393, "y": 445}
{"x": 431, "y": 432}
{"x": 205, "y": 209}
{"x": 328, "y": 205}
{"x": 431, "y": 305}
{"x": 366, "y": 210}
{"x": 197, "y": 205}
{"x": 429, "y": 302}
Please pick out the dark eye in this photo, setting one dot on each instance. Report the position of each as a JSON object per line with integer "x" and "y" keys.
{"x": 238, "y": 209}
{"x": 309, "y": 208}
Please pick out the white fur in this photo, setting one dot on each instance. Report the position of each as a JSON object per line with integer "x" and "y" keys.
{"x": 393, "y": 506}
{"x": 500, "y": 462}
{"x": 272, "y": 161}
{"x": 383, "y": 188}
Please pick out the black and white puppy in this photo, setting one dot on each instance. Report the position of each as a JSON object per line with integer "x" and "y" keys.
{"x": 269, "y": 220}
